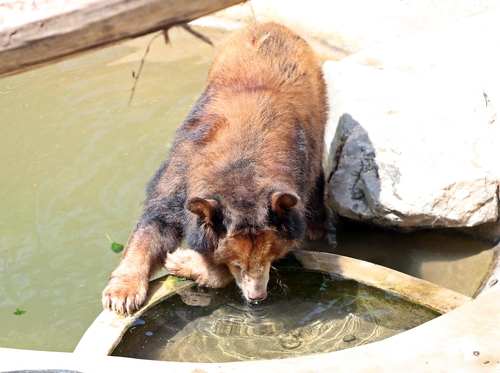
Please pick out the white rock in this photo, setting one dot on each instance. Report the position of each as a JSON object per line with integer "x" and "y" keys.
{"x": 468, "y": 48}
{"x": 404, "y": 150}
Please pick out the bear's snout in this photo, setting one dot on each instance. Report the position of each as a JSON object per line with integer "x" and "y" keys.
{"x": 257, "y": 296}
{"x": 255, "y": 289}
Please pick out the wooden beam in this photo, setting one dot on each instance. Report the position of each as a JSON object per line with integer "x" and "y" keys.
{"x": 81, "y": 25}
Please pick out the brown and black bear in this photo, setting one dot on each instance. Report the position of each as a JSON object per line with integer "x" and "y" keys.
{"x": 244, "y": 181}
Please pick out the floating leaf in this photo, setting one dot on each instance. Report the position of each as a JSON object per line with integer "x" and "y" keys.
{"x": 170, "y": 282}
{"x": 115, "y": 246}
{"x": 20, "y": 311}
{"x": 173, "y": 279}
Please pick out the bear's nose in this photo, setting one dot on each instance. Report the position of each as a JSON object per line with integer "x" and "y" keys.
{"x": 254, "y": 298}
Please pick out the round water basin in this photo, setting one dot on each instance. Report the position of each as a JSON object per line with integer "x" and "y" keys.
{"x": 317, "y": 303}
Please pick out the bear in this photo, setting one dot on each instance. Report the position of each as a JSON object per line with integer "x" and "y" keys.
{"x": 243, "y": 183}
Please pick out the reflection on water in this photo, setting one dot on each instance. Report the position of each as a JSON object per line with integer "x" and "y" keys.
{"x": 305, "y": 313}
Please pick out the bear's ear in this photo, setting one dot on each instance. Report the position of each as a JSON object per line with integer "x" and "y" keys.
{"x": 282, "y": 202}
{"x": 204, "y": 208}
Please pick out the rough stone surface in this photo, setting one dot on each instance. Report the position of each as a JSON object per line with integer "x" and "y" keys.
{"x": 404, "y": 154}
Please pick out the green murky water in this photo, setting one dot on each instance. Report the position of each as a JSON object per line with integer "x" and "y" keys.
{"x": 305, "y": 313}
{"x": 74, "y": 160}
{"x": 452, "y": 262}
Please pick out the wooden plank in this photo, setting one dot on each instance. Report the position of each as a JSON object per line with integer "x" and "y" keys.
{"x": 80, "y": 25}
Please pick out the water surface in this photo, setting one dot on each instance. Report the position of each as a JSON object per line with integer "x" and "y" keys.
{"x": 305, "y": 313}
{"x": 74, "y": 161}
{"x": 450, "y": 261}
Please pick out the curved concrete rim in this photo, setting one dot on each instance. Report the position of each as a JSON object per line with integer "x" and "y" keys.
{"x": 464, "y": 340}
{"x": 105, "y": 333}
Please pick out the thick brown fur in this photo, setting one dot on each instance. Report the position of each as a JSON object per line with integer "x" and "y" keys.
{"x": 244, "y": 177}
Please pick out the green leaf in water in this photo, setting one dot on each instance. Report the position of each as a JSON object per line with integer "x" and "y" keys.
{"x": 20, "y": 311}
{"x": 173, "y": 279}
{"x": 170, "y": 282}
{"x": 115, "y": 246}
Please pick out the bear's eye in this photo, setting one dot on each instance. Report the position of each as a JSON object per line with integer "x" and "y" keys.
{"x": 237, "y": 266}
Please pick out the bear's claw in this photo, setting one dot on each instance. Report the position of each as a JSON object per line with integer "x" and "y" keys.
{"x": 123, "y": 298}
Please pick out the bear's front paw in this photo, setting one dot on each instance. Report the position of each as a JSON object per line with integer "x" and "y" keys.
{"x": 124, "y": 296}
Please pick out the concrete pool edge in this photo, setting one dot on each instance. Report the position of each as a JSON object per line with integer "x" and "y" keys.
{"x": 465, "y": 339}
{"x": 105, "y": 332}
{"x": 108, "y": 328}
{"x": 416, "y": 290}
